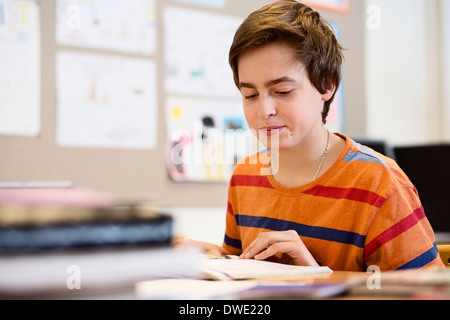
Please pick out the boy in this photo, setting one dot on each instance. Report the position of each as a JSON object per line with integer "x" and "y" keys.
{"x": 322, "y": 199}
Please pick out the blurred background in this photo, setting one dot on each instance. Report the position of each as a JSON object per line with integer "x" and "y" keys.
{"x": 104, "y": 94}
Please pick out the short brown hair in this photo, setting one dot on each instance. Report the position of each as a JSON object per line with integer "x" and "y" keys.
{"x": 301, "y": 27}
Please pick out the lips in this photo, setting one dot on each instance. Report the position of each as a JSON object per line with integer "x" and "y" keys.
{"x": 271, "y": 131}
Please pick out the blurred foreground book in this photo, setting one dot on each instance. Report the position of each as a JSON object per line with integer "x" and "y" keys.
{"x": 90, "y": 272}
{"x": 68, "y": 240}
{"x": 413, "y": 284}
{"x": 35, "y": 219}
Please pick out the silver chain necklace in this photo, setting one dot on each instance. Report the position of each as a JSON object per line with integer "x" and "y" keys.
{"x": 323, "y": 157}
{"x": 321, "y": 162}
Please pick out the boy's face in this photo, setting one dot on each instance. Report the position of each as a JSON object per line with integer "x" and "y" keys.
{"x": 280, "y": 103}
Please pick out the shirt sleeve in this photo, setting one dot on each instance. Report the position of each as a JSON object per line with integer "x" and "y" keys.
{"x": 232, "y": 240}
{"x": 400, "y": 235}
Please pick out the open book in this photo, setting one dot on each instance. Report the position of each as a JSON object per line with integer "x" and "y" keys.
{"x": 240, "y": 269}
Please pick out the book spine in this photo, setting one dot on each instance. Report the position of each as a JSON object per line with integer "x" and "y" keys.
{"x": 86, "y": 235}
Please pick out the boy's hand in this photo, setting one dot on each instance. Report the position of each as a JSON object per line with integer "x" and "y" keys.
{"x": 267, "y": 244}
{"x": 204, "y": 247}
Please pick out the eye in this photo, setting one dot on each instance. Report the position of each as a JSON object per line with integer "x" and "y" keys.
{"x": 284, "y": 93}
{"x": 250, "y": 97}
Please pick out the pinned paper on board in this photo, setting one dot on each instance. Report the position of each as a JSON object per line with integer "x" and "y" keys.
{"x": 206, "y": 139}
{"x": 219, "y": 4}
{"x": 339, "y": 6}
{"x": 336, "y": 117}
{"x": 207, "y": 136}
{"x": 120, "y": 25}
{"x": 20, "y": 86}
{"x": 196, "y": 48}
{"x": 104, "y": 101}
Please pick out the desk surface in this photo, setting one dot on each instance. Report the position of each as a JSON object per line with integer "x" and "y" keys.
{"x": 407, "y": 285}
{"x": 400, "y": 285}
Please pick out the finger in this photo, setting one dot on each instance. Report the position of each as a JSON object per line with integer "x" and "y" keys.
{"x": 248, "y": 252}
{"x": 296, "y": 250}
{"x": 279, "y": 247}
{"x": 265, "y": 254}
{"x": 259, "y": 244}
{"x": 266, "y": 240}
{"x": 249, "y": 248}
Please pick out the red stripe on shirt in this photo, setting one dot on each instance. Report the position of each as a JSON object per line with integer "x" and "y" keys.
{"x": 250, "y": 181}
{"x": 394, "y": 231}
{"x": 349, "y": 194}
{"x": 230, "y": 209}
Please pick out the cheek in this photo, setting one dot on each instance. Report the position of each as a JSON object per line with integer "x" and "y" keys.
{"x": 310, "y": 110}
{"x": 250, "y": 117}
{"x": 303, "y": 119}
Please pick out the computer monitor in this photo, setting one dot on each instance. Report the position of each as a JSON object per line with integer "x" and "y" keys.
{"x": 428, "y": 167}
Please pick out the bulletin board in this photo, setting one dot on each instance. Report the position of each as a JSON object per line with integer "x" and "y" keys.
{"x": 339, "y": 6}
{"x": 84, "y": 119}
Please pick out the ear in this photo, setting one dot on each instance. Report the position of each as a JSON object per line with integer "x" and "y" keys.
{"x": 329, "y": 93}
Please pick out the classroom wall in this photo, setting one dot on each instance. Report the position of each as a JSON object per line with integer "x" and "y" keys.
{"x": 445, "y": 55}
{"x": 142, "y": 174}
{"x": 405, "y": 56}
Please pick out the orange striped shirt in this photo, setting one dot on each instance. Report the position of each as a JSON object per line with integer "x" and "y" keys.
{"x": 363, "y": 211}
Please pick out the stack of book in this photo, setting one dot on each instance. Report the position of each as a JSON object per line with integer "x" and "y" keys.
{"x": 61, "y": 239}
{"x": 37, "y": 219}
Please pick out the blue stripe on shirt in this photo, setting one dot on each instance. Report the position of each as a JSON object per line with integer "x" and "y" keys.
{"x": 422, "y": 260}
{"x": 303, "y": 230}
{"x": 365, "y": 155}
{"x": 233, "y": 242}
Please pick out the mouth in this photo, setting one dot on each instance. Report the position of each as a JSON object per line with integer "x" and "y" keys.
{"x": 271, "y": 131}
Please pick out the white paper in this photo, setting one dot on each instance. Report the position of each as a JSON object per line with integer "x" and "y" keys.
{"x": 97, "y": 269}
{"x": 106, "y": 101}
{"x": 121, "y": 25}
{"x": 196, "y": 46}
{"x": 190, "y": 289}
{"x": 341, "y": 6}
{"x": 336, "y": 116}
{"x": 220, "y": 4}
{"x": 206, "y": 138}
{"x": 20, "y": 68}
{"x": 240, "y": 269}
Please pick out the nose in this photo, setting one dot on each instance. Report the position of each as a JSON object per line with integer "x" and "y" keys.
{"x": 266, "y": 108}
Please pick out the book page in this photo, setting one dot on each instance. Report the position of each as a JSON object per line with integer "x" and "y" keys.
{"x": 240, "y": 269}
{"x": 192, "y": 289}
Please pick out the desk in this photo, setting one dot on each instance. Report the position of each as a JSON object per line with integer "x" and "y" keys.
{"x": 393, "y": 287}
{"x": 405, "y": 285}
{"x": 400, "y": 285}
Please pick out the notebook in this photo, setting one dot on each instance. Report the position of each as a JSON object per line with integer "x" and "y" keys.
{"x": 191, "y": 289}
{"x": 241, "y": 269}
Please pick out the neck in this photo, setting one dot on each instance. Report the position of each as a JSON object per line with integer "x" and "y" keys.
{"x": 300, "y": 165}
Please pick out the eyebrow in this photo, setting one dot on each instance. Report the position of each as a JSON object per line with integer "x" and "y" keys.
{"x": 267, "y": 84}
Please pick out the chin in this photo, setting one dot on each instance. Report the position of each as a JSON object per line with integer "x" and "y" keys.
{"x": 275, "y": 148}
